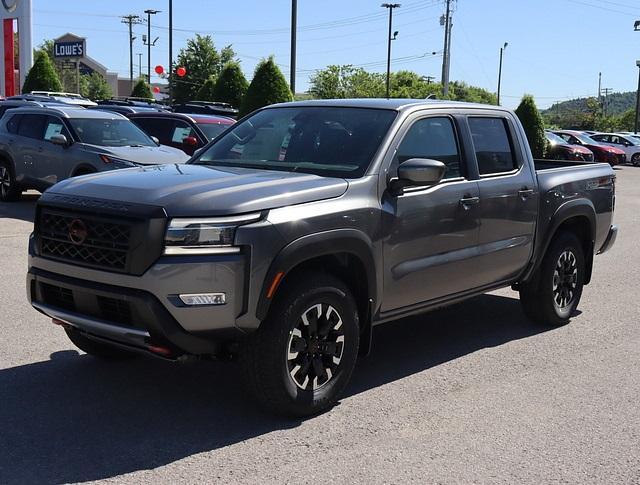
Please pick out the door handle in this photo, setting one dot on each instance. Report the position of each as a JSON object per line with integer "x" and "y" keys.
{"x": 467, "y": 202}
{"x": 525, "y": 192}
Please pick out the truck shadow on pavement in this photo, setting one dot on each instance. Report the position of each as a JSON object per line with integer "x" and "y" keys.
{"x": 74, "y": 418}
{"x": 23, "y": 210}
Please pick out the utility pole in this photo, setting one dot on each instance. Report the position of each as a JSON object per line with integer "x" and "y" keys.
{"x": 170, "y": 50}
{"x": 636, "y": 27}
{"x": 446, "y": 21}
{"x": 390, "y": 6}
{"x": 605, "y": 101}
{"x": 294, "y": 28}
{"x": 139, "y": 64}
{"x": 131, "y": 20}
{"x": 428, "y": 79}
{"x": 502, "y": 49}
{"x": 148, "y": 42}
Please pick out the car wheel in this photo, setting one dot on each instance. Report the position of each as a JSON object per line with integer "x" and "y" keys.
{"x": 9, "y": 188}
{"x": 553, "y": 294}
{"x": 95, "y": 348}
{"x": 301, "y": 358}
{"x": 635, "y": 159}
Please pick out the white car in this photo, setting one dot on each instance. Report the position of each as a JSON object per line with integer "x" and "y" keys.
{"x": 630, "y": 145}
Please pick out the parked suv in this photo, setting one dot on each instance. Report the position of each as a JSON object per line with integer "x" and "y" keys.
{"x": 293, "y": 233}
{"x": 187, "y": 132}
{"x": 42, "y": 146}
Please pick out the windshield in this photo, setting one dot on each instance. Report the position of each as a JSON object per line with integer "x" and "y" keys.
{"x": 110, "y": 133}
{"x": 587, "y": 140}
{"x": 631, "y": 139}
{"x": 555, "y": 139}
{"x": 211, "y": 130}
{"x": 328, "y": 141}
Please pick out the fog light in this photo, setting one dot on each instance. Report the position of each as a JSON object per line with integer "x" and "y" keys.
{"x": 204, "y": 299}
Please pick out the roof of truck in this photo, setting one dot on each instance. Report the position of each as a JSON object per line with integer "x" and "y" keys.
{"x": 381, "y": 103}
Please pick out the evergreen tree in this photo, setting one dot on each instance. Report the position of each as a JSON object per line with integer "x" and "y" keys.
{"x": 141, "y": 90}
{"x": 268, "y": 86}
{"x": 42, "y": 76}
{"x": 533, "y": 125}
{"x": 231, "y": 85}
{"x": 206, "y": 91}
{"x": 95, "y": 87}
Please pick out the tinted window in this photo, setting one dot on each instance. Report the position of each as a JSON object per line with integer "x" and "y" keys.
{"x": 492, "y": 145}
{"x": 432, "y": 138}
{"x": 13, "y": 123}
{"x": 604, "y": 138}
{"x": 32, "y": 126}
{"x": 158, "y": 127}
{"x": 330, "y": 141}
{"x": 55, "y": 126}
{"x": 211, "y": 130}
{"x": 110, "y": 133}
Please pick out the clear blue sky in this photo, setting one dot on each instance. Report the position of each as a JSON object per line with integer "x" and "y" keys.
{"x": 556, "y": 47}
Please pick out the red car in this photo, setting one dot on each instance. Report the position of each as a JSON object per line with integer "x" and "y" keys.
{"x": 188, "y": 132}
{"x": 602, "y": 153}
{"x": 560, "y": 149}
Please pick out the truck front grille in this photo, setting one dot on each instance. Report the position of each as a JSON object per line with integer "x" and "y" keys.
{"x": 84, "y": 239}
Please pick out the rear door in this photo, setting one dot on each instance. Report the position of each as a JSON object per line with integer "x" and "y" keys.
{"x": 29, "y": 145}
{"x": 508, "y": 197}
{"x": 431, "y": 233}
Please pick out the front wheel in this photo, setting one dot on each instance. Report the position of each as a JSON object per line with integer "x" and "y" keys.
{"x": 301, "y": 358}
{"x": 554, "y": 292}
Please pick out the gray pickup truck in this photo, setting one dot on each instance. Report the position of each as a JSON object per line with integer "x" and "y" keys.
{"x": 287, "y": 238}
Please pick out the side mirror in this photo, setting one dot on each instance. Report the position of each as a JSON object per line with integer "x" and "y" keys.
{"x": 190, "y": 141}
{"x": 155, "y": 140}
{"x": 59, "y": 140}
{"x": 417, "y": 172}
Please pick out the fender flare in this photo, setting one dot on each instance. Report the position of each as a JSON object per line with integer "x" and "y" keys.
{"x": 568, "y": 210}
{"x": 325, "y": 243}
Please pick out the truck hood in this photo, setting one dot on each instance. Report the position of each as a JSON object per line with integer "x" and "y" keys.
{"x": 144, "y": 155}
{"x": 198, "y": 190}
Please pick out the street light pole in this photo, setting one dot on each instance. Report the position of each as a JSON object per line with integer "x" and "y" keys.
{"x": 635, "y": 124}
{"x": 294, "y": 22}
{"x": 149, "y": 13}
{"x": 170, "y": 50}
{"x": 502, "y": 49}
{"x": 390, "y": 6}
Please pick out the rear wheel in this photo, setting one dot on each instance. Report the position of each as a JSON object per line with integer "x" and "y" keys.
{"x": 635, "y": 159}
{"x": 554, "y": 292}
{"x": 96, "y": 349}
{"x": 9, "y": 188}
{"x": 301, "y": 358}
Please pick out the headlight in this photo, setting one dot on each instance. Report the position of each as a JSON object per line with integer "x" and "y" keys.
{"x": 117, "y": 161}
{"x": 204, "y": 236}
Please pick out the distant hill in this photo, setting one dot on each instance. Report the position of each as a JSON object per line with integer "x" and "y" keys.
{"x": 617, "y": 103}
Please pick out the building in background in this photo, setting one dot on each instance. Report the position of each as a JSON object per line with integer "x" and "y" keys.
{"x": 15, "y": 13}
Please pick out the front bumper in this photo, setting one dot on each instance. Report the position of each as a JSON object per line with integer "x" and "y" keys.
{"x": 610, "y": 240}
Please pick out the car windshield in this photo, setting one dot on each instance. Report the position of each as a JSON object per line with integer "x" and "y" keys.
{"x": 631, "y": 139}
{"x": 587, "y": 140}
{"x": 110, "y": 133}
{"x": 555, "y": 139}
{"x": 211, "y": 130}
{"x": 328, "y": 141}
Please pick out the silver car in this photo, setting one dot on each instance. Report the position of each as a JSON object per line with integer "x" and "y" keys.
{"x": 40, "y": 146}
{"x": 630, "y": 145}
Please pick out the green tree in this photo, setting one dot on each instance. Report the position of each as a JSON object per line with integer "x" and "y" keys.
{"x": 268, "y": 86}
{"x": 533, "y": 125}
{"x": 626, "y": 120}
{"x": 42, "y": 76}
{"x": 206, "y": 91}
{"x": 141, "y": 89}
{"x": 201, "y": 60}
{"x": 231, "y": 85}
{"x": 94, "y": 86}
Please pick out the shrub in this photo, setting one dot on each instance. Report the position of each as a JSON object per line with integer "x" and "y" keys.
{"x": 42, "y": 76}
{"x": 533, "y": 125}
{"x": 141, "y": 90}
{"x": 231, "y": 85}
{"x": 268, "y": 86}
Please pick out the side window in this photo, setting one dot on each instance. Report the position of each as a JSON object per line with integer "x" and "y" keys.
{"x": 13, "y": 123}
{"x": 616, "y": 140}
{"x": 54, "y": 126}
{"x": 432, "y": 138}
{"x": 492, "y": 145}
{"x": 32, "y": 126}
{"x": 160, "y": 128}
{"x": 599, "y": 138}
{"x": 565, "y": 137}
{"x": 181, "y": 130}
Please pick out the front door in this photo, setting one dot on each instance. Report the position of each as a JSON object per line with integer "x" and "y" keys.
{"x": 431, "y": 233}
{"x": 55, "y": 161}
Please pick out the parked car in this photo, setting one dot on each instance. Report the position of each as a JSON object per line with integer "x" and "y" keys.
{"x": 16, "y": 103}
{"x": 42, "y": 146}
{"x": 628, "y": 144}
{"x": 67, "y": 98}
{"x": 559, "y": 149}
{"x": 602, "y": 153}
{"x": 135, "y": 102}
{"x": 288, "y": 237}
{"x": 206, "y": 108}
{"x": 188, "y": 132}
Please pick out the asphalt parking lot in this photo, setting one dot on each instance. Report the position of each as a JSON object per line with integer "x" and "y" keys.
{"x": 470, "y": 394}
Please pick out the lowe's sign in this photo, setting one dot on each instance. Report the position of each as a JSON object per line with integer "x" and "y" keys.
{"x": 69, "y": 49}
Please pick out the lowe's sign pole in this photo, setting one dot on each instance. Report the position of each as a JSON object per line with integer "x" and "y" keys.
{"x": 11, "y": 10}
